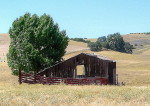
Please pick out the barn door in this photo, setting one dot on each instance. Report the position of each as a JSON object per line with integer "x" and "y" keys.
{"x": 112, "y": 73}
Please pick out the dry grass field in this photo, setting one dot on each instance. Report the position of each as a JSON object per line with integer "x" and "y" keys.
{"x": 4, "y": 45}
{"x": 92, "y": 40}
{"x": 44, "y": 95}
{"x": 139, "y": 39}
{"x": 74, "y": 46}
{"x": 134, "y": 69}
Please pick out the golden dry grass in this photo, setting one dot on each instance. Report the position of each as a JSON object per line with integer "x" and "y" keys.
{"x": 132, "y": 69}
{"x": 4, "y": 45}
{"x": 81, "y": 44}
{"x": 92, "y": 39}
{"x": 12, "y": 94}
{"x": 144, "y": 50}
{"x": 74, "y": 46}
{"x": 133, "y": 37}
{"x": 44, "y": 95}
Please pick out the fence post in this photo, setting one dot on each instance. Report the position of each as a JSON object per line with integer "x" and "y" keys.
{"x": 117, "y": 79}
{"x": 20, "y": 82}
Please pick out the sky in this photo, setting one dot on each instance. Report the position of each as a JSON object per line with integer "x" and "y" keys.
{"x": 83, "y": 18}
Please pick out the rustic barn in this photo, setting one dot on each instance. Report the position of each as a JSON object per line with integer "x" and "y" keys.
{"x": 95, "y": 68}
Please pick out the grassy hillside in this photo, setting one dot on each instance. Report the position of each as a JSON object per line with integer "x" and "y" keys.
{"x": 76, "y": 46}
{"x": 92, "y": 40}
{"x": 5, "y": 41}
{"x": 140, "y": 41}
{"x": 4, "y": 38}
{"x": 4, "y": 45}
{"x": 134, "y": 69}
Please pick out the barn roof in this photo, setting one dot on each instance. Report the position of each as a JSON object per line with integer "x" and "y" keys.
{"x": 98, "y": 56}
{"x": 93, "y": 55}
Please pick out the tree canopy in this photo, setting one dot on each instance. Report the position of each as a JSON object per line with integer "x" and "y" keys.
{"x": 116, "y": 42}
{"x": 36, "y": 43}
{"x": 113, "y": 41}
{"x": 95, "y": 46}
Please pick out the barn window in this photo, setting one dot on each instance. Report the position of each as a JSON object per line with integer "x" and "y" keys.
{"x": 80, "y": 70}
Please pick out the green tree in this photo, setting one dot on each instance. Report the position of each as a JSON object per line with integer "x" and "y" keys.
{"x": 103, "y": 41}
{"x": 36, "y": 43}
{"x": 95, "y": 46}
{"x": 128, "y": 47}
{"x": 116, "y": 42}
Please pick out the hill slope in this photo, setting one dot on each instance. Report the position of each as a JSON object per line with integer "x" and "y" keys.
{"x": 132, "y": 69}
{"x": 139, "y": 39}
{"x": 74, "y": 46}
{"x": 5, "y": 41}
{"x": 4, "y": 45}
{"x": 140, "y": 42}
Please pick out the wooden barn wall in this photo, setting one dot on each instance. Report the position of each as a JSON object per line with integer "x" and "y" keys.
{"x": 94, "y": 67}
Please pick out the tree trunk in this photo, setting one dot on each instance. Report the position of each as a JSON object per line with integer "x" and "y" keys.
{"x": 20, "y": 82}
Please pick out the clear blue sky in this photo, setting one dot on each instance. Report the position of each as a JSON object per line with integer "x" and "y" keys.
{"x": 83, "y": 18}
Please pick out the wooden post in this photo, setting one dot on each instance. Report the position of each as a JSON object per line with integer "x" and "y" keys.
{"x": 116, "y": 83}
{"x": 114, "y": 74}
{"x": 20, "y": 82}
{"x": 75, "y": 72}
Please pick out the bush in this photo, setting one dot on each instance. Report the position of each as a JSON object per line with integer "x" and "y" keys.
{"x": 95, "y": 46}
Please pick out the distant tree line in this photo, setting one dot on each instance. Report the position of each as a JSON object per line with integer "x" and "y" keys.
{"x": 80, "y": 40}
{"x": 141, "y": 33}
{"x": 113, "y": 41}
